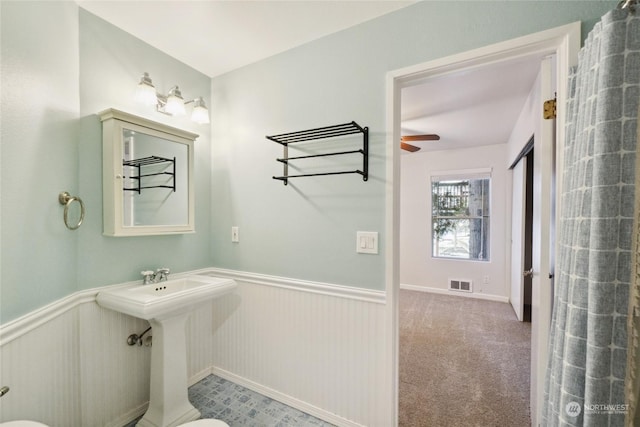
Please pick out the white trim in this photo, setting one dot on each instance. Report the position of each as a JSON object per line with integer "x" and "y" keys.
{"x": 15, "y": 328}
{"x": 126, "y": 418}
{"x": 360, "y": 294}
{"x": 543, "y": 42}
{"x": 563, "y": 41}
{"x": 286, "y": 399}
{"x": 112, "y": 113}
{"x": 196, "y": 378}
{"x": 392, "y": 257}
{"x": 475, "y": 295}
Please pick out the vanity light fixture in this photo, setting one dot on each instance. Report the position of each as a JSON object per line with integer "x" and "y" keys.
{"x": 172, "y": 104}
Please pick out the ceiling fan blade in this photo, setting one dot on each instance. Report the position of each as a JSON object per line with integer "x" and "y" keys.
{"x": 409, "y": 147}
{"x": 427, "y": 137}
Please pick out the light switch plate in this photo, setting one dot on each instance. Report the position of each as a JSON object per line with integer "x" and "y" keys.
{"x": 235, "y": 237}
{"x": 367, "y": 242}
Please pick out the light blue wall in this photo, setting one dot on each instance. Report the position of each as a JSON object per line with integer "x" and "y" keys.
{"x": 61, "y": 65}
{"x": 308, "y": 229}
{"x": 39, "y": 150}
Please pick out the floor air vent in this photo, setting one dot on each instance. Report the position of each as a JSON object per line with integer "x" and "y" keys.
{"x": 462, "y": 285}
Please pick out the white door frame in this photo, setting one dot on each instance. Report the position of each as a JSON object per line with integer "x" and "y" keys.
{"x": 562, "y": 41}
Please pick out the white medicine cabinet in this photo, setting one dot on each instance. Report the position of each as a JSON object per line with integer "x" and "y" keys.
{"x": 147, "y": 176}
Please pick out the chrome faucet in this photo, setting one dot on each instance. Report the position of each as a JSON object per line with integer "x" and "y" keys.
{"x": 162, "y": 274}
{"x": 150, "y": 277}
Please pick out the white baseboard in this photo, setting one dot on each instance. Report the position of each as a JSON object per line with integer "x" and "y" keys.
{"x": 475, "y": 295}
{"x": 193, "y": 379}
{"x": 129, "y": 416}
{"x": 287, "y": 400}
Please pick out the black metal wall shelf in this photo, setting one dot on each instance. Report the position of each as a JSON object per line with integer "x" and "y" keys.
{"x": 148, "y": 161}
{"x": 323, "y": 133}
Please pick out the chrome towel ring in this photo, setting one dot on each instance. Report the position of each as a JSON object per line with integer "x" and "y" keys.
{"x": 66, "y": 199}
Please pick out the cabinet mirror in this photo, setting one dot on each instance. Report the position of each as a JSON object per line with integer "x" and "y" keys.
{"x": 147, "y": 176}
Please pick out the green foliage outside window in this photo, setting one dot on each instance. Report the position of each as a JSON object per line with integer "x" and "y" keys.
{"x": 460, "y": 218}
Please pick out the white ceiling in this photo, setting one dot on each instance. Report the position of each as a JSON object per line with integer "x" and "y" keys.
{"x": 469, "y": 108}
{"x": 216, "y": 37}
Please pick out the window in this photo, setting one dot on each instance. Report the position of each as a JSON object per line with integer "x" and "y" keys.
{"x": 460, "y": 216}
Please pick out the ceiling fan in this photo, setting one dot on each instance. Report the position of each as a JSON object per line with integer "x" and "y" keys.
{"x": 410, "y": 138}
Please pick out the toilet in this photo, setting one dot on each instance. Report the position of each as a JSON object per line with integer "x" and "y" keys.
{"x": 26, "y": 423}
{"x": 196, "y": 423}
{"x": 206, "y": 422}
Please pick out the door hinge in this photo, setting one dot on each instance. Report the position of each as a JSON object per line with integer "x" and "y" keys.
{"x": 549, "y": 110}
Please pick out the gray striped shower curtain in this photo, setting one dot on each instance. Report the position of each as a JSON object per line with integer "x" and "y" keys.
{"x": 592, "y": 377}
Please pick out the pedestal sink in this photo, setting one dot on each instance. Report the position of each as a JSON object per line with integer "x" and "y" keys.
{"x": 166, "y": 305}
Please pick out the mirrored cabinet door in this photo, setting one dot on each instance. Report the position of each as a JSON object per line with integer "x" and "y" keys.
{"x": 148, "y": 184}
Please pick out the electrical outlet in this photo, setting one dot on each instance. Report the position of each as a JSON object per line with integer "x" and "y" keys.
{"x": 485, "y": 280}
{"x": 235, "y": 237}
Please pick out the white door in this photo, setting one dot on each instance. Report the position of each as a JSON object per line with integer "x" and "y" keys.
{"x": 516, "y": 298}
{"x": 544, "y": 192}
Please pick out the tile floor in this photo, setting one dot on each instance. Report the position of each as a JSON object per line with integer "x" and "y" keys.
{"x": 218, "y": 398}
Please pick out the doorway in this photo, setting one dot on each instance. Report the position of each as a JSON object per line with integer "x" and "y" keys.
{"x": 562, "y": 41}
{"x": 439, "y": 181}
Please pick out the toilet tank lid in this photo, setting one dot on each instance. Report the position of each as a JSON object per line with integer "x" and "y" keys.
{"x": 22, "y": 423}
{"x": 205, "y": 423}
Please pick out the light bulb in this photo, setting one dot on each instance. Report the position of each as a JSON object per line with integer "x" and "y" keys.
{"x": 146, "y": 92}
{"x": 200, "y": 114}
{"x": 175, "y": 103}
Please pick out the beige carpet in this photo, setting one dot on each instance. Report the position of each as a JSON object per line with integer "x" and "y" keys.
{"x": 463, "y": 362}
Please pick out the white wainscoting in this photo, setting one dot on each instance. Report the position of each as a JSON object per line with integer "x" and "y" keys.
{"x": 114, "y": 377}
{"x": 41, "y": 369}
{"x": 68, "y": 364}
{"x": 318, "y": 347}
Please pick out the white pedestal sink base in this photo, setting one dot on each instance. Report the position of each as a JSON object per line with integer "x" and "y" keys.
{"x": 167, "y": 305}
{"x": 168, "y": 400}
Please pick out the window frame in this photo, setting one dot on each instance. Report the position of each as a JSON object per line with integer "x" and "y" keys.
{"x": 462, "y": 175}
